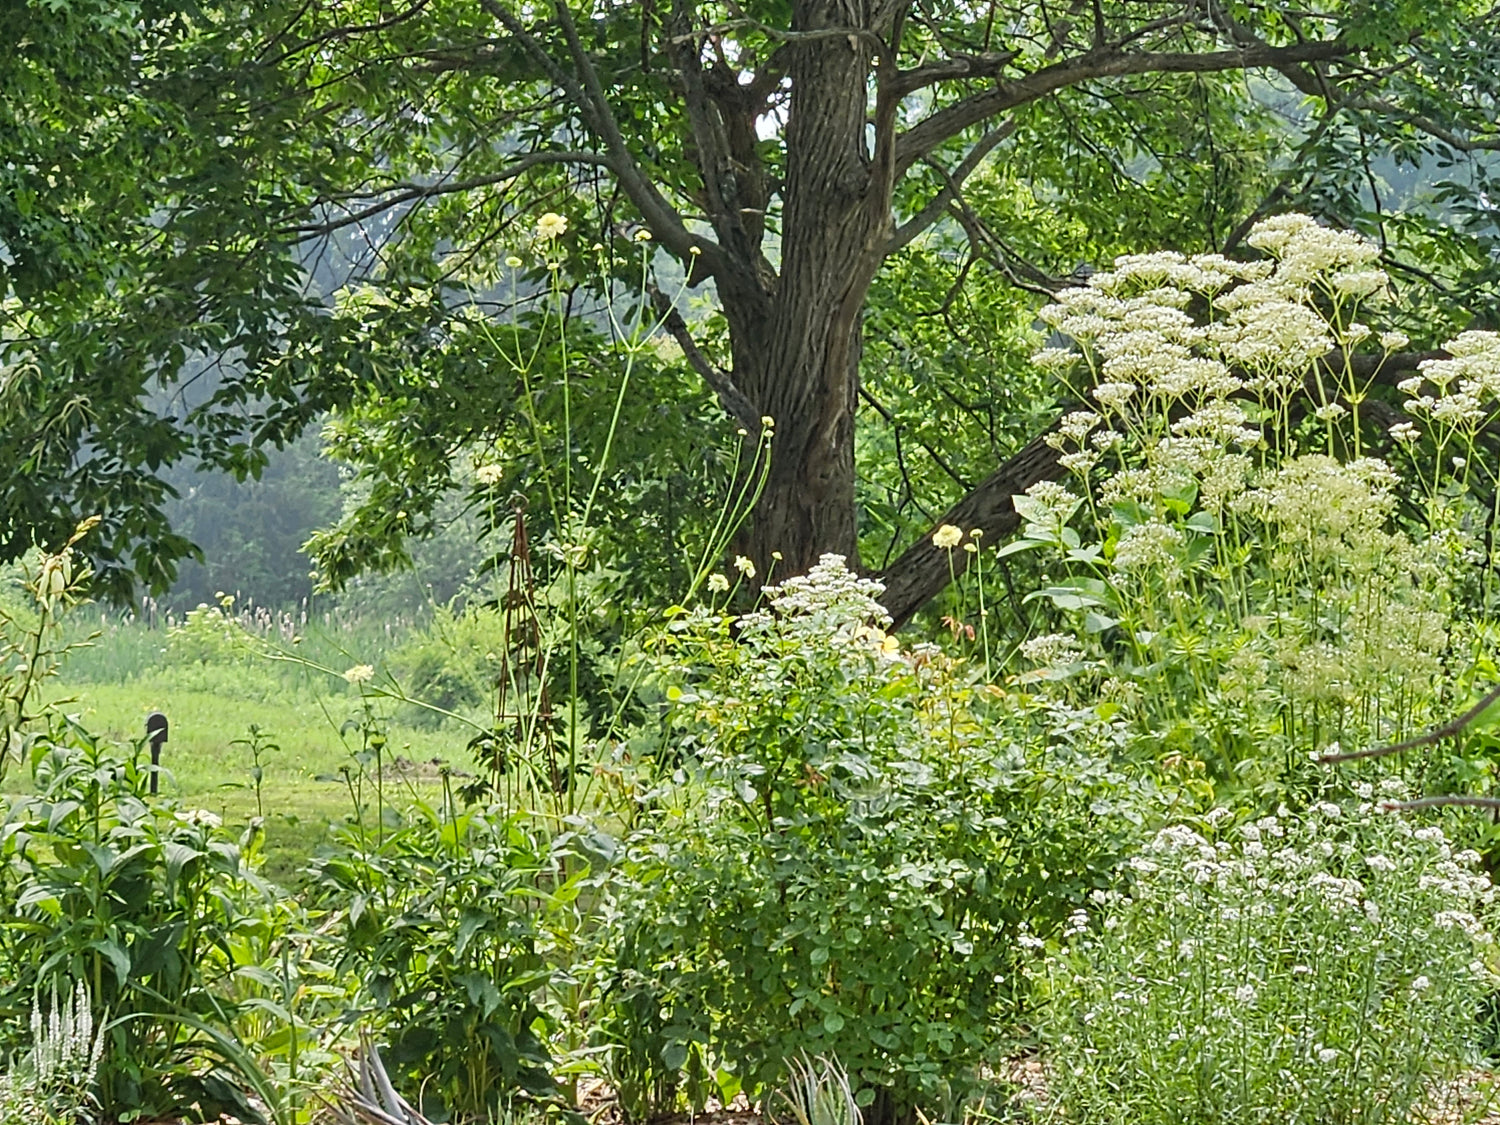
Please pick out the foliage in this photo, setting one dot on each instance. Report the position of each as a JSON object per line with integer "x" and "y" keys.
{"x": 1315, "y": 968}
{"x": 32, "y": 643}
{"x": 1242, "y": 576}
{"x": 157, "y": 909}
{"x": 53, "y": 1083}
{"x": 265, "y": 262}
{"x": 862, "y": 835}
{"x": 250, "y": 533}
{"x": 443, "y": 919}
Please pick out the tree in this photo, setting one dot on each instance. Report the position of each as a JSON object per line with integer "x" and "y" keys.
{"x": 795, "y": 153}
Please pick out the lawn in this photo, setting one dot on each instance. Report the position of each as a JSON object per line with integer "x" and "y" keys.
{"x": 208, "y": 762}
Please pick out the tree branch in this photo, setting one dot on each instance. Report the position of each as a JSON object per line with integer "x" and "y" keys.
{"x": 781, "y": 35}
{"x": 407, "y": 192}
{"x": 935, "y": 207}
{"x": 952, "y": 120}
{"x": 922, "y": 570}
{"x": 734, "y": 401}
{"x": 1431, "y": 738}
{"x": 988, "y": 65}
{"x": 710, "y": 137}
{"x": 992, "y": 248}
{"x": 585, "y": 91}
{"x": 890, "y": 420}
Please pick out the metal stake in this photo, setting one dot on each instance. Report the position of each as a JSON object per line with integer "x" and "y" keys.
{"x": 156, "y": 731}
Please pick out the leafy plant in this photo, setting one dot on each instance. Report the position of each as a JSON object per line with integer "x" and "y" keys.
{"x": 857, "y": 837}
{"x": 1320, "y": 968}
{"x": 818, "y": 1093}
{"x": 258, "y": 742}
{"x": 32, "y": 643}
{"x": 443, "y": 920}
{"x": 154, "y": 907}
{"x": 1233, "y": 568}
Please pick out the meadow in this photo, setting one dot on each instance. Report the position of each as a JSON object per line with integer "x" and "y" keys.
{"x": 262, "y": 722}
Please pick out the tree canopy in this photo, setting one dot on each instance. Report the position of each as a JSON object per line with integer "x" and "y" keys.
{"x": 220, "y": 221}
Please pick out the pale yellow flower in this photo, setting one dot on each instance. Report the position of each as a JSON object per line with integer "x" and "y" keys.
{"x": 359, "y": 674}
{"x": 717, "y": 583}
{"x": 489, "y": 474}
{"x": 550, "y": 226}
{"x": 947, "y": 537}
{"x": 513, "y": 262}
{"x": 744, "y": 566}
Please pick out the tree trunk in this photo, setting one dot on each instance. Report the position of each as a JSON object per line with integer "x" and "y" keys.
{"x": 800, "y": 362}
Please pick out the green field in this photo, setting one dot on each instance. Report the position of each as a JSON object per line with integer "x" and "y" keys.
{"x": 216, "y": 684}
{"x": 302, "y": 788}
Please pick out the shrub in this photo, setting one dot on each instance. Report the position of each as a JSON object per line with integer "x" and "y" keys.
{"x": 1326, "y": 968}
{"x": 859, "y": 837}
{"x": 1249, "y": 579}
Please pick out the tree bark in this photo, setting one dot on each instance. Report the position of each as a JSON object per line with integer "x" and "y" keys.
{"x": 923, "y": 569}
{"x": 800, "y": 362}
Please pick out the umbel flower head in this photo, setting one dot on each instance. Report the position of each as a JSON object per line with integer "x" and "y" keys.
{"x": 360, "y": 674}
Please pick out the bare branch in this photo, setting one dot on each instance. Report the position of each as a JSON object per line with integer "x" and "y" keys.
{"x": 710, "y": 137}
{"x": 922, "y": 570}
{"x": 346, "y": 32}
{"x": 988, "y": 65}
{"x": 994, "y": 250}
{"x": 779, "y": 35}
{"x": 585, "y": 91}
{"x": 935, "y": 207}
{"x": 1431, "y": 738}
{"x": 890, "y": 420}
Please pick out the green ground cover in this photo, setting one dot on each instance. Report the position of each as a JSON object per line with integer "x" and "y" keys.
{"x": 208, "y": 761}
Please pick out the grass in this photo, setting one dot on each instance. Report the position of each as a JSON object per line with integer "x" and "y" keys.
{"x": 214, "y": 690}
{"x": 302, "y": 788}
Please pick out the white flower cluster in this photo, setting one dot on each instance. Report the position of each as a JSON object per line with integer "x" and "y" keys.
{"x": 1146, "y": 352}
{"x": 1339, "y": 938}
{"x": 1058, "y": 501}
{"x": 1052, "y": 650}
{"x": 53, "y": 1080}
{"x": 1466, "y": 386}
{"x": 1317, "y": 499}
{"x": 1307, "y": 252}
{"x": 829, "y": 600}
